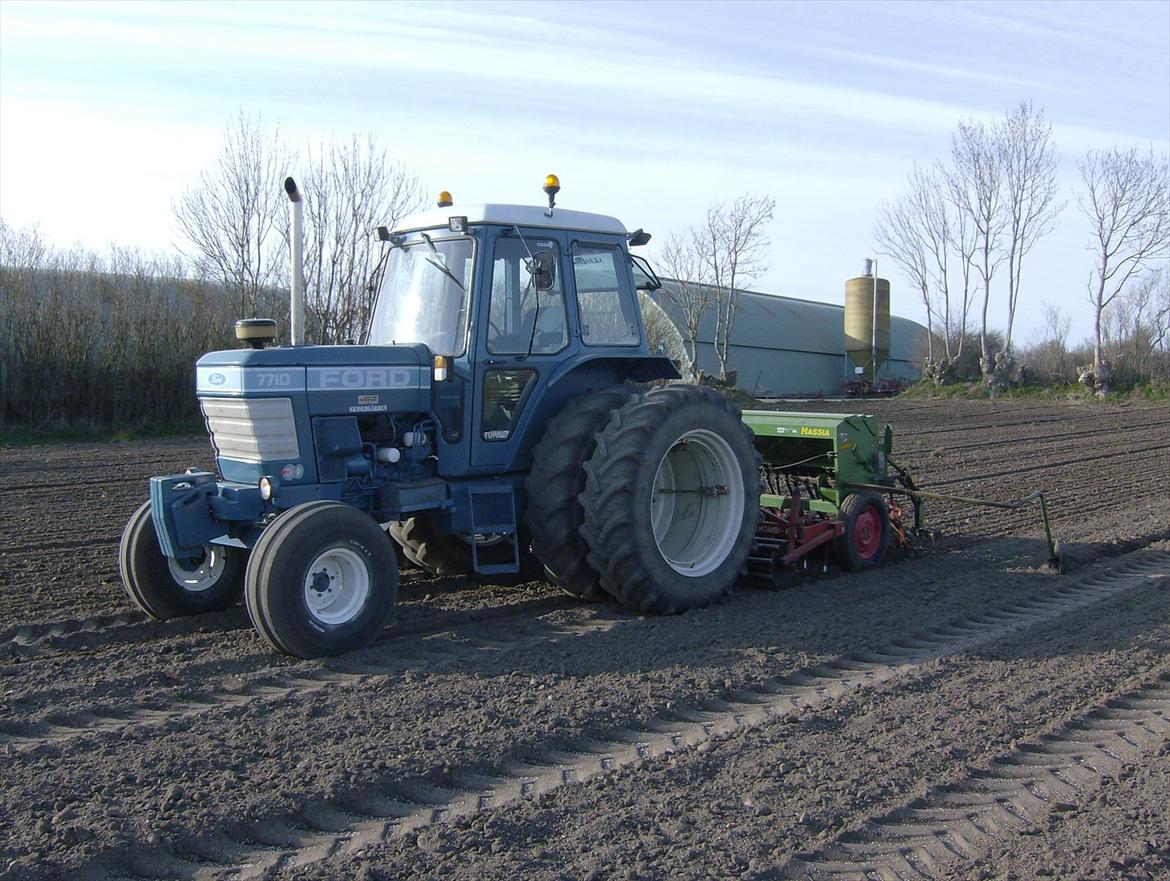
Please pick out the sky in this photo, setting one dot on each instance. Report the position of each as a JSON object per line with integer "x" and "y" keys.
{"x": 647, "y": 111}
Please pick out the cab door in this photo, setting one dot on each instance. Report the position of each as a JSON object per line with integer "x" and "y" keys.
{"x": 522, "y": 334}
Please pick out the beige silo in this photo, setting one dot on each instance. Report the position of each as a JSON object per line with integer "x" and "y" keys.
{"x": 859, "y": 322}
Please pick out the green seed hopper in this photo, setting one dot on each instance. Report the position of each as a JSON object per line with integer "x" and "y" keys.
{"x": 830, "y": 480}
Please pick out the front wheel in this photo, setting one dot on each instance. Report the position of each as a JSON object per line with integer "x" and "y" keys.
{"x": 164, "y": 587}
{"x": 322, "y": 580}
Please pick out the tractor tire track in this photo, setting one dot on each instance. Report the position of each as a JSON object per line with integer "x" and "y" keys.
{"x": 323, "y": 829}
{"x": 934, "y": 835}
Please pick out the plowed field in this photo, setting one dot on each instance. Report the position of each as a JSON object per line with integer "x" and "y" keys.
{"x": 966, "y": 714}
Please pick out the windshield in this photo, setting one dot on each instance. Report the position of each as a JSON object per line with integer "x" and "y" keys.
{"x": 423, "y": 298}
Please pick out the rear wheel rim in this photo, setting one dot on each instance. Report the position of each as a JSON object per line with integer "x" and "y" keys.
{"x": 867, "y": 533}
{"x": 198, "y": 574}
{"x": 337, "y": 586}
{"x": 696, "y": 503}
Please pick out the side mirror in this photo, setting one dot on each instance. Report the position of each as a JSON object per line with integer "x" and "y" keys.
{"x": 543, "y": 268}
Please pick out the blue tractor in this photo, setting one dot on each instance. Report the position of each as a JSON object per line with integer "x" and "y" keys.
{"x": 497, "y": 419}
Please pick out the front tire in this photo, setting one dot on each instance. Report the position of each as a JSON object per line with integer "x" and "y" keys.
{"x": 322, "y": 580}
{"x": 671, "y": 499}
{"x": 165, "y": 588}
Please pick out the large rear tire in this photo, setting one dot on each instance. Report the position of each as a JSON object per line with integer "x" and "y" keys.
{"x": 321, "y": 580}
{"x": 866, "y": 537}
{"x": 671, "y": 499}
{"x": 554, "y": 513}
{"x": 166, "y": 588}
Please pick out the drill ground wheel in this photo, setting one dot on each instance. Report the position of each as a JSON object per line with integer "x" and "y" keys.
{"x": 166, "y": 588}
{"x": 443, "y": 554}
{"x": 554, "y": 515}
{"x": 867, "y": 531}
{"x": 671, "y": 499}
{"x": 321, "y": 580}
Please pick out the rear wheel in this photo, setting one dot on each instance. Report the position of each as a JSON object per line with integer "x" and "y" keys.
{"x": 322, "y": 580}
{"x": 554, "y": 513}
{"x": 671, "y": 499}
{"x": 866, "y": 537}
{"x": 164, "y": 587}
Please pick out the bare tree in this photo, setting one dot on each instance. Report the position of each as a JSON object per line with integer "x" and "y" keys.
{"x": 976, "y": 182}
{"x": 231, "y": 216}
{"x": 1137, "y": 325}
{"x": 1028, "y": 160}
{"x": 964, "y": 242}
{"x": 691, "y": 293}
{"x": 351, "y": 188}
{"x": 733, "y": 242}
{"x": 913, "y": 230}
{"x": 1125, "y": 199}
{"x": 1049, "y": 354}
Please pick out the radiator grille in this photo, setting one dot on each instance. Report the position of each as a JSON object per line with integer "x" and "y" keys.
{"x": 252, "y": 429}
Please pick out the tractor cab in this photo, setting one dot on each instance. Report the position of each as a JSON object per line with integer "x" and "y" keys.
{"x": 521, "y": 308}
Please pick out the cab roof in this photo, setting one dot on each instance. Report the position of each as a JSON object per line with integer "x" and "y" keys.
{"x": 519, "y": 215}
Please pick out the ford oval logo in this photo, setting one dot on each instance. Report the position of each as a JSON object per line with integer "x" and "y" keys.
{"x": 217, "y": 379}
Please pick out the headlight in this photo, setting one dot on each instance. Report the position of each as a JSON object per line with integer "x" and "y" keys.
{"x": 267, "y": 488}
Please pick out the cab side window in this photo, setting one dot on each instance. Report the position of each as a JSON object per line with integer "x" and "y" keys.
{"x": 521, "y": 319}
{"x": 603, "y": 299}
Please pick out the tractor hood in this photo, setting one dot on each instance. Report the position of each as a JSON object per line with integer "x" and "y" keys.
{"x": 327, "y": 373}
{"x": 261, "y": 405}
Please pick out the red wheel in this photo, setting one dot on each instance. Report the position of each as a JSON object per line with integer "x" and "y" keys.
{"x": 867, "y": 531}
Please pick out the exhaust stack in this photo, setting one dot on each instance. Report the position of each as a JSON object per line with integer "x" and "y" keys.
{"x": 296, "y": 311}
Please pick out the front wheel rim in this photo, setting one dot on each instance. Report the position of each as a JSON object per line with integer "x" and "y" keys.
{"x": 696, "y": 503}
{"x": 200, "y": 573}
{"x": 336, "y": 586}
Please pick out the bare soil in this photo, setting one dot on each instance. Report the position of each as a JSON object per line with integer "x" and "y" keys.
{"x": 966, "y": 714}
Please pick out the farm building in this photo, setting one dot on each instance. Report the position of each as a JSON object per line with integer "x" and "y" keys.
{"x": 785, "y": 346}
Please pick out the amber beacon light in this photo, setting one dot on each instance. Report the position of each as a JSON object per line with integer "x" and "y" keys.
{"x": 445, "y": 200}
{"x": 552, "y": 186}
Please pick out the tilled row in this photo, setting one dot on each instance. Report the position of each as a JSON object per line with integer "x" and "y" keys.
{"x": 915, "y": 447}
{"x": 1068, "y": 504}
{"x": 330, "y": 827}
{"x": 416, "y": 643}
{"x": 133, "y": 627}
{"x": 1015, "y": 463}
{"x": 993, "y": 422}
{"x": 35, "y": 639}
{"x": 79, "y": 530}
{"x": 934, "y": 835}
{"x": 432, "y": 648}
